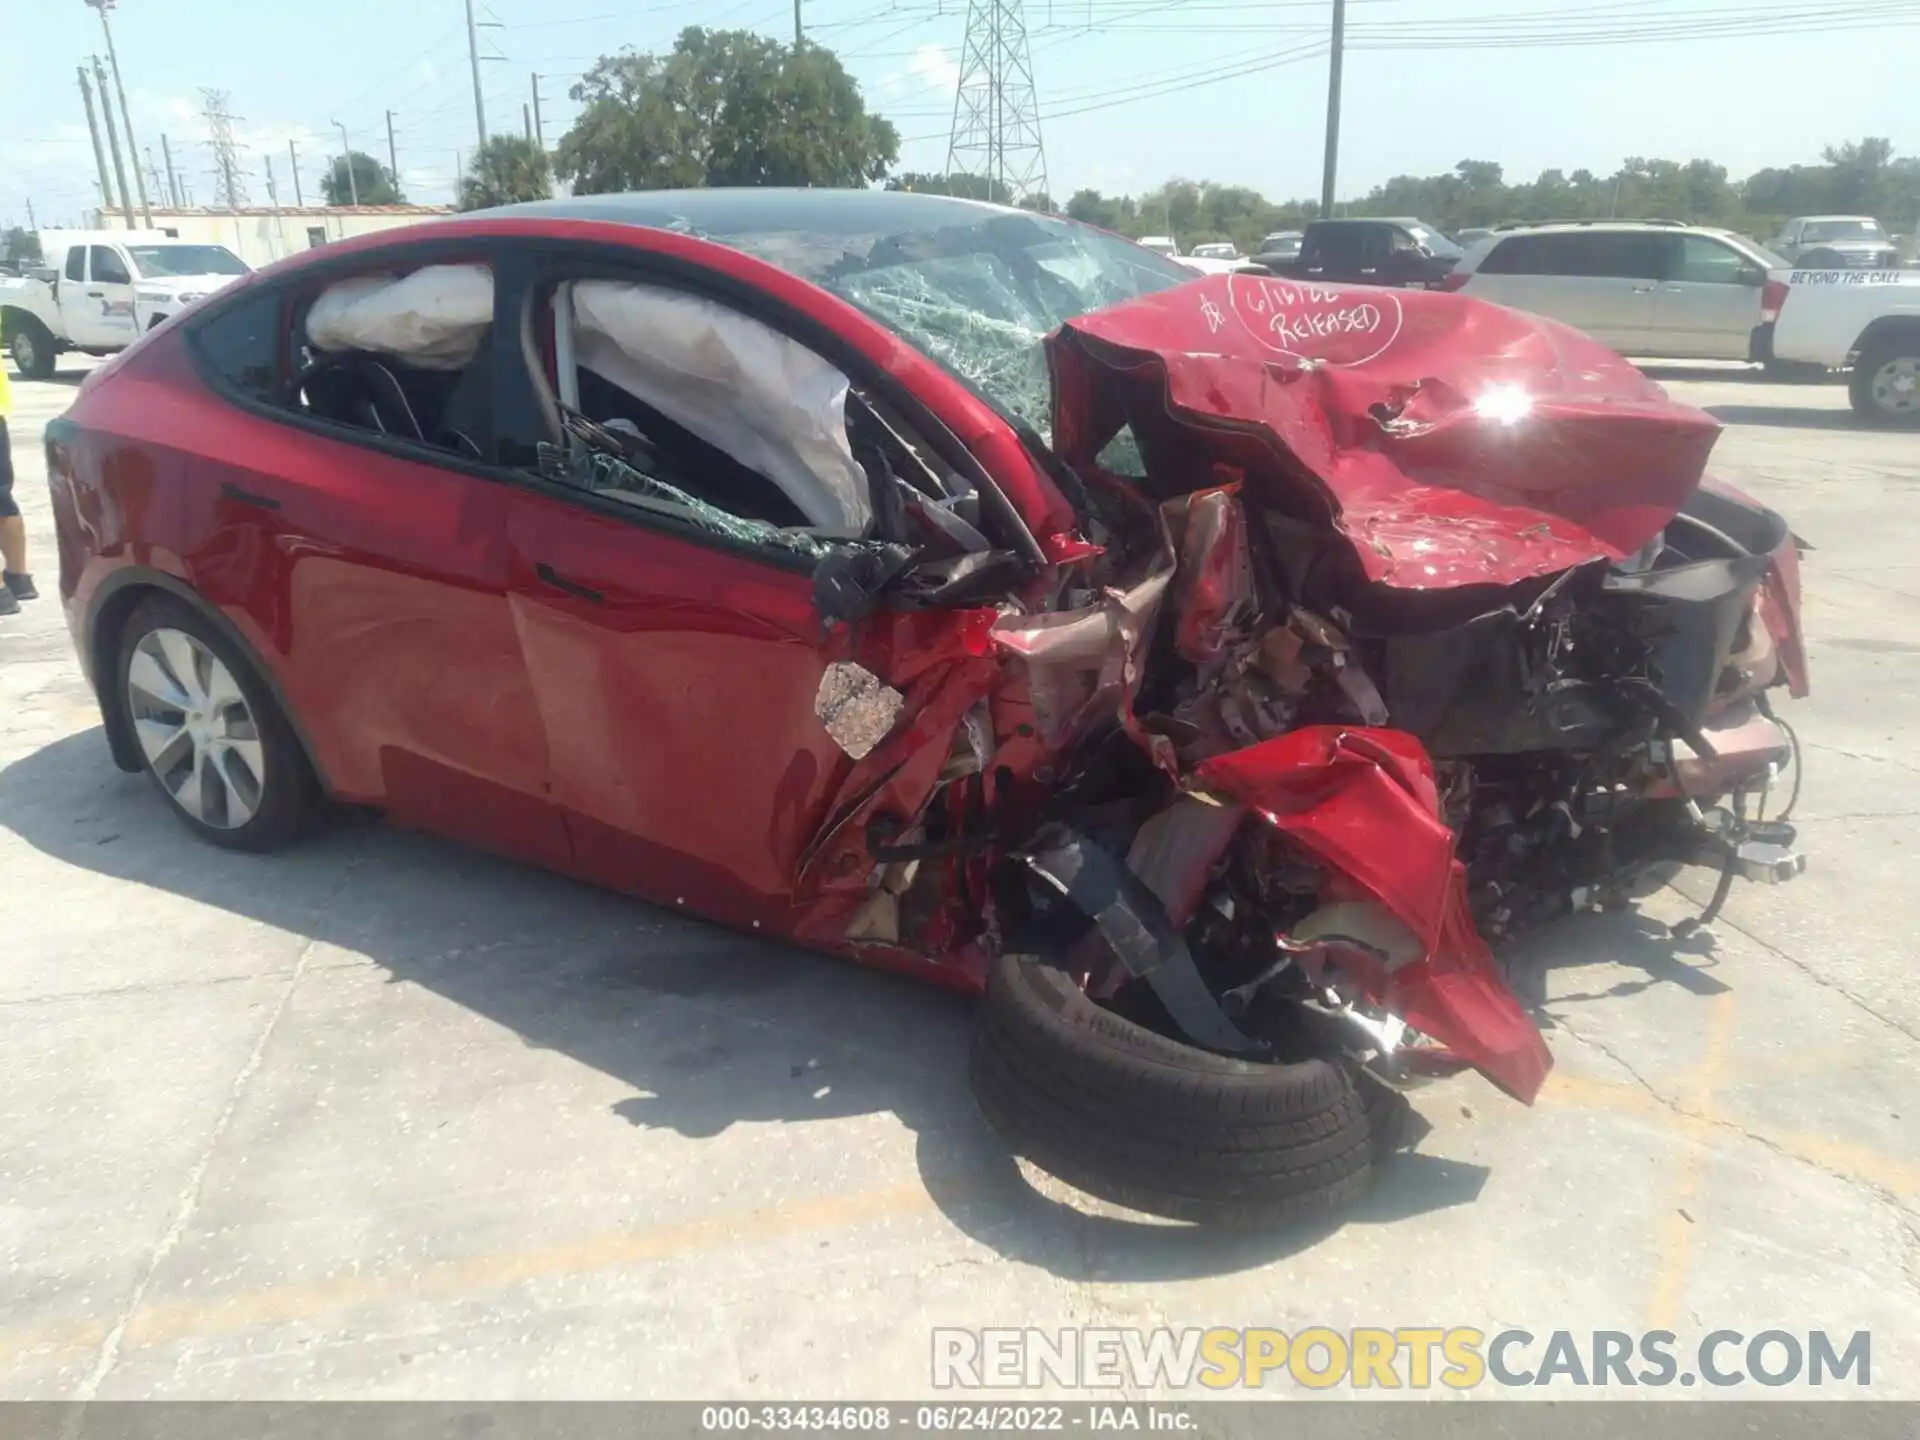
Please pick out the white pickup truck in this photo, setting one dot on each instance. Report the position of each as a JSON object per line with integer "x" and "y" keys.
{"x": 101, "y": 289}
{"x": 1864, "y": 320}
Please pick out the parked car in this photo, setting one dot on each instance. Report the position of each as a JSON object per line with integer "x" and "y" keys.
{"x": 1472, "y": 235}
{"x": 1160, "y": 245}
{"x": 1216, "y": 250}
{"x": 1406, "y": 253}
{"x": 1835, "y": 241}
{"x": 1280, "y": 246}
{"x": 867, "y": 578}
{"x": 1867, "y": 322}
{"x": 109, "y": 287}
{"x": 1653, "y": 288}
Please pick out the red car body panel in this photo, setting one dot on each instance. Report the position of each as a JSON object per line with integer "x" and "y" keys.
{"x": 1395, "y": 413}
{"x": 1363, "y": 802}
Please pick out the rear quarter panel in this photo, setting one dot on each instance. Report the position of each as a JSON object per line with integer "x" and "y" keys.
{"x": 1826, "y": 312}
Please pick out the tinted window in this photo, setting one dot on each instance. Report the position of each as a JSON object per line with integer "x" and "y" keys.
{"x": 244, "y": 343}
{"x": 109, "y": 268}
{"x": 77, "y": 263}
{"x": 1600, "y": 255}
{"x": 1700, "y": 261}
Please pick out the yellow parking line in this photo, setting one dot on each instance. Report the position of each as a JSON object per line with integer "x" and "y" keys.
{"x": 609, "y": 1250}
{"x": 1680, "y": 1221}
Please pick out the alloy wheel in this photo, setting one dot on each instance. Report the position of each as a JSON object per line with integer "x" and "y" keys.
{"x": 196, "y": 729}
{"x": 26, "y": 356}
{"x": 1896, "y": 386}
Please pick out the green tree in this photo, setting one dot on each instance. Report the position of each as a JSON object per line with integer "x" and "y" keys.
{"x": 371, "y": 181}
{"x": 506, "y": 170}
{"x": 21, "y": 246}
{"x": 724, "y": 107}
{"x": 967, "y": 187}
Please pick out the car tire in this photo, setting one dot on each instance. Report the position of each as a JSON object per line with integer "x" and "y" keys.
{"x": 1873, "y": 375}
{"x": 33, "y": 349}
{"x": 233, "y": 771}
{"x": 1133, "y": 1117}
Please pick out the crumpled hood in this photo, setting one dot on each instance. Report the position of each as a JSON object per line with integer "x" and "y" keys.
{"x": 1450, "y": 441}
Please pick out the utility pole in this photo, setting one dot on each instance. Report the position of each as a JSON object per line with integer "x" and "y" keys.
{"x": 539, "y": 135}
{"x": 393, "y": 157}
{"x": 273, "y": 190}
{"x": 153, "y": 172}
{"x": 473, "y": 57}
{"x": 293, "y": 159}
{"x": 93, "y": 129}
{"x": 173, "y": 185}
{"x": 798, "y": 34}
{"x": 526, "y": 119}
{"x": 1327, "y": 174}
{"x": 346, "y": 159}
{"x": 113, "y": 145}
{"x": 33, "y": 222}
{"x": 126, "y": 117}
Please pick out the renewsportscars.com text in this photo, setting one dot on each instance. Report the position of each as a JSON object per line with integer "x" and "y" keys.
{"x": 1403, "y": 1357}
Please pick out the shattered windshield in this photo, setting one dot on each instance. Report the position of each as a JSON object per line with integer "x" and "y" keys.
{"x": 979, "y": 297}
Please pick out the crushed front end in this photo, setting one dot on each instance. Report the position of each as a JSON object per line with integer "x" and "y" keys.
{"x": 1393, "y": 624}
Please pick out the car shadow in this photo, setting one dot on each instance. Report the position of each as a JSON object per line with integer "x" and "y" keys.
{"x": 708, "y": 1028}
{"x": 1785, "y": 417}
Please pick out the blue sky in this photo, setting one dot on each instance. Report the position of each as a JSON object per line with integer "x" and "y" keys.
{"x": 1454, "y": 84}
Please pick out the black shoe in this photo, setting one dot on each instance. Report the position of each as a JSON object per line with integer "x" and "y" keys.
{"x": 8, "y": 605}
{"x": 20, "y": 585}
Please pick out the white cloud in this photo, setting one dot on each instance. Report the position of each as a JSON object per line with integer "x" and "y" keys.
{"x": 935, "y": 67}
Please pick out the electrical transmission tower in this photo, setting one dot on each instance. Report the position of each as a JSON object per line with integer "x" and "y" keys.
{"x": 996, "y": 115}
{"x": 230, "y": 190}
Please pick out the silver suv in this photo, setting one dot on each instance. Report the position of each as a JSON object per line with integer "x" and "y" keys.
{"x": 1644, "y": 287}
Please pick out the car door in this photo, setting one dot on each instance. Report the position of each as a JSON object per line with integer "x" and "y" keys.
{"x": 81, "y": 314}
{"x": 1708, "y": 301}
{"x": 109, "y": 299}
{"x": 677, "y": 655}
{"x": 676, "y": 668}
{"x": 371, "y": 571}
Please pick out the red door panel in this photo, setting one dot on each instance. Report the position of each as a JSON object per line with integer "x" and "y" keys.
{"x": 678, "y": 700}
{"x": 375, "y": 589}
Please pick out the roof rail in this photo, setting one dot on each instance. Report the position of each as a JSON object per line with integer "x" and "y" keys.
{"x": 1591, "y": 220}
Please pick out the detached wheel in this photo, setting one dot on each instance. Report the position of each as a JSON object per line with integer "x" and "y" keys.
{"x": 210, "y": 734}
{"x": 1885, "y": 385}
{"x": 32, "y": 349}
{"x": 1146, "y": 1122}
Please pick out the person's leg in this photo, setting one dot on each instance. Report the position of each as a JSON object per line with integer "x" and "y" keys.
{"x": 13, "y": 530}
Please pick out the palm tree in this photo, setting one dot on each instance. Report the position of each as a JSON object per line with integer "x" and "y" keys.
{"x": 504, "y": 171}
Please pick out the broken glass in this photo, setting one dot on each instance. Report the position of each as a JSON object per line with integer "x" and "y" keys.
{"x": 605, "y": 474}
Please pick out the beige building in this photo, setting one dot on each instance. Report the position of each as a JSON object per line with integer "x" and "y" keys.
{"x": 261, "y": 234}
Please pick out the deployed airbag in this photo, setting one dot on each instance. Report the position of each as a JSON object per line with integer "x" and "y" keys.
{"x": 743, "y": 387}
{"x": 433, "y": 318}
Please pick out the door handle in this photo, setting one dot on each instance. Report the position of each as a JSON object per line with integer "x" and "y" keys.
{"x": 550, "y": 576}
{"x": 1644, "y": 289}
{"x": 96, "y": 294}
{"x": 231, "y": 491}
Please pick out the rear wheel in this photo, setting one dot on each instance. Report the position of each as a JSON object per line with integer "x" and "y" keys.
{"x": 32, "y": 348}
{"x": 211, "y": 735}
{"x": 1885, "y": 386}
{"x": 1133, "y": 1117}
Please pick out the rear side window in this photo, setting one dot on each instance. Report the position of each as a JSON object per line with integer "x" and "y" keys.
{"x": 109, "y": 268}
{"x": 76, "y": 263}
{"x": 1617, "y": 255}
{"x": 244, "y": 344}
